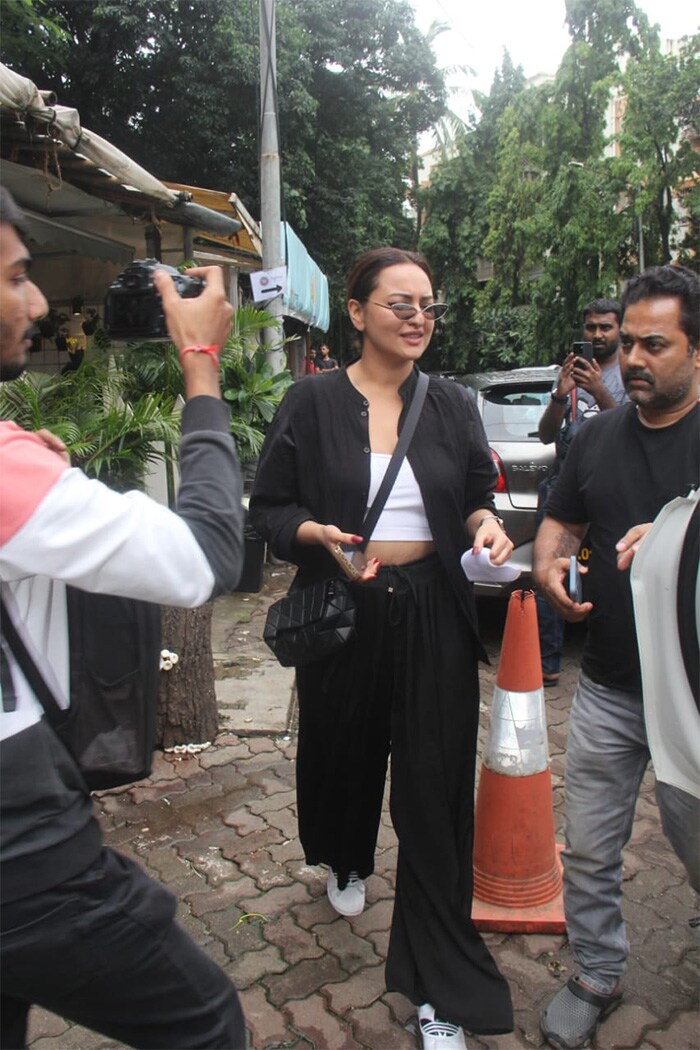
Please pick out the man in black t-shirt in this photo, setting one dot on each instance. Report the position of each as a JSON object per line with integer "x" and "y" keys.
{"x": 324, "y": 361}
{"x": 620, "y": 470}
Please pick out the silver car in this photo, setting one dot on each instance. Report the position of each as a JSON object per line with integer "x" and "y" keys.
{"x": 511, "y": 404}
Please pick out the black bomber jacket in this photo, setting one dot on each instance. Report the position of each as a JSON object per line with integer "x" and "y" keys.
{"x": 315, "y": 465}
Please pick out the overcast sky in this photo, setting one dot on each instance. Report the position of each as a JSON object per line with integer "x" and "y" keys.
{"x": 534, "y": 33}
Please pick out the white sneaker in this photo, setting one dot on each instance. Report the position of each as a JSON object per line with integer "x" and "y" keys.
{"x": 439, "y": 1035}
{"x": 351, "y": 900}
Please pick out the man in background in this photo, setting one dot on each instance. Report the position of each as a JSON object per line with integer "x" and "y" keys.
{"x": 582, "y": 388}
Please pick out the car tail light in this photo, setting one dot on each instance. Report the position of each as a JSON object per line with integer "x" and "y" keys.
{"x": 501, "y": 484}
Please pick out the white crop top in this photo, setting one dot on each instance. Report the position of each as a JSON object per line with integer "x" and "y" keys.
{"x": 403, "y": 516}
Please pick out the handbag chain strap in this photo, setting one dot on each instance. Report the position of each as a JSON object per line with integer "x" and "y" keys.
{"x": 372, "y": 513}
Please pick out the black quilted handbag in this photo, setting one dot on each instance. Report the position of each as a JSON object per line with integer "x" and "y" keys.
{"x": 311, "y": 623}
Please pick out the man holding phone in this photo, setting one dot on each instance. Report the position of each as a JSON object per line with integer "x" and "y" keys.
{"x": 620, "y": 470}
{"x": 589, "y": 381}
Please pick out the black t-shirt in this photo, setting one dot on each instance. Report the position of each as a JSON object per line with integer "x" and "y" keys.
{"x": 325, "y": 364}
{"x": 619, "y": 473}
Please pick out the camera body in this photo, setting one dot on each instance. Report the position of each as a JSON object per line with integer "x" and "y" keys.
{"x": 133, "y": 309}
{"x": 584, "y": 350}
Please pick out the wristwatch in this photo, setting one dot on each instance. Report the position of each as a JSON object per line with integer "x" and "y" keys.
{"x": 492, "y": 517}
{"x": 557, "y": 399}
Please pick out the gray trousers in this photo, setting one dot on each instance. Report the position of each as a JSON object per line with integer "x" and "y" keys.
{"x": 606, "y": 757}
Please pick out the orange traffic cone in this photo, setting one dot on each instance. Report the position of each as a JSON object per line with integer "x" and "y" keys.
{"x": 517, "y": 871}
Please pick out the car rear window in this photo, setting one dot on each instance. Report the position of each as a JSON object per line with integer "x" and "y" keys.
{"x": 512, "y": 413}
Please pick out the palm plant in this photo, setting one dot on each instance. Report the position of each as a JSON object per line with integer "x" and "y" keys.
{"x": 108, "y": 436}
{"x": 248, "y": 382}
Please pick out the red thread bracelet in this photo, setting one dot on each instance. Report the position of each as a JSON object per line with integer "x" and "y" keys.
{"x": 198, "y": 348}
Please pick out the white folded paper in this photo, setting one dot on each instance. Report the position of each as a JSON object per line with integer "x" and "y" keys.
{"x": 480, "y": 569}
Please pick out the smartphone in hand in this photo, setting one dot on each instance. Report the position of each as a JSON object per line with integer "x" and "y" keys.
{"x": 575, "y": 586}
{"x": 348, "y": 567}
{"x": 584, "y": 350}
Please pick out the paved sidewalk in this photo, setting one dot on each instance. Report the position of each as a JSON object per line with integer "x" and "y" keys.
{"x": 219, "y": 828}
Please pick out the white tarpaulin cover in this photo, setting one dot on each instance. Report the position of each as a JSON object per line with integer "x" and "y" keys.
{"x": 19, "y": 93}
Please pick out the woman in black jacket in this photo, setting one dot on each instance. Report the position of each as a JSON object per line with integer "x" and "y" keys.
{"x": 407, "y": 684}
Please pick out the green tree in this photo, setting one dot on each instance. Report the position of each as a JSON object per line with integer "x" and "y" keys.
{"x": 660, "y": 127}
{"x": 456, "y": 221}
{"x": 176, "y": 85}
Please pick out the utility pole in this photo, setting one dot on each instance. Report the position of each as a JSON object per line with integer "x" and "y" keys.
{"x": 270, "y": 180}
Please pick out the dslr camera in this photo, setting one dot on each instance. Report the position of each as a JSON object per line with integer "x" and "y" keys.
{"x": 133, "y": 307}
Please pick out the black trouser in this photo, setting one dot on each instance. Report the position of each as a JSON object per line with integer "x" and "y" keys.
{"x": 103, "y": 950}
{"x": 408, "y": 684}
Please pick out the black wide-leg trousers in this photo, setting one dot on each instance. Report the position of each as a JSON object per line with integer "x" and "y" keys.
{"x": 406, "y": 686}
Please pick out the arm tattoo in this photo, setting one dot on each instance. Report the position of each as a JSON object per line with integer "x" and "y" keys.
{"x": 565, "y": 544}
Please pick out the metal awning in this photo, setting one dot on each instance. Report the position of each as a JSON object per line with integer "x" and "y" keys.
{"x": 50, "y": 233}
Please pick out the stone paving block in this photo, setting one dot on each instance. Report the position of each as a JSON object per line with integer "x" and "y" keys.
{"x": 380, "y": 940}
{"x": 540, "y": 945}
{"x": 278, "y": 900}
{"x": 313, "y": 912}
{"x": 258, "y": 764}
{"x": 250, "y": 969}
{"x": 322, "y": 1030}
{"x": 257, "y": 840}
{"x": 376, "y": 917}
{"x": 682, "y": 1034}
{"x": 272, "y": 785}
{"x": 259, "y": 744}
{"x": 285, "y": 821}
{"x": 229, "y": 778}
{"x": 42, "y": 1024}
{"x": 374, "y": 1027}
{"x": 512, "y": 1041}
{"x": 280, "y": 800}
{"x": 352, "y": 951}
{"x": 210, "y": 864}
{"x": 156, "y": 792}
{"x": 266, "y": 873}
{"x": 527, "y": 979}
{"x": 313, "y": 877}
{"x": 185, "y": 766}
{"x": 401, "y": 1009}
{"x": 244, "y": 821}
{"x": 222, "y": 756}
{"x": 626, "y": 1028}
{"x": 294, "y": 942}
{"x": 361, "y": 989}
{"x": 216, "y": 899}
{"x": 240, "y": 931}
{"x": 303, "y": 979}
{"x": 377, "y": 888}
{"x": 77, "y": 1038}
{"x": 291, "y": 854}
{"x": 265, "y": 1022}
{"x": 642, "y": 831}
{"x": 167, "y": 864}
{"x": 199, "y": 795}
{"x": 386, "y": 839}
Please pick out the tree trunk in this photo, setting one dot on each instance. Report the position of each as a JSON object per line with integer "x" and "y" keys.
{"x": 187, "y": 709}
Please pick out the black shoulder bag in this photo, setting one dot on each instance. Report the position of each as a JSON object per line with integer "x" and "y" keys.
{"x": 114, "y": 646}
{"x": 312, "y": 622}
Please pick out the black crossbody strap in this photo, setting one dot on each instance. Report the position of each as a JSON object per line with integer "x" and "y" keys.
{"x": 407, "y": 431}
{"x": 31, "y": 672}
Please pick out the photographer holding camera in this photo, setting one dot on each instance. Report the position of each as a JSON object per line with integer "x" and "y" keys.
{"x": 85, "y": 933}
